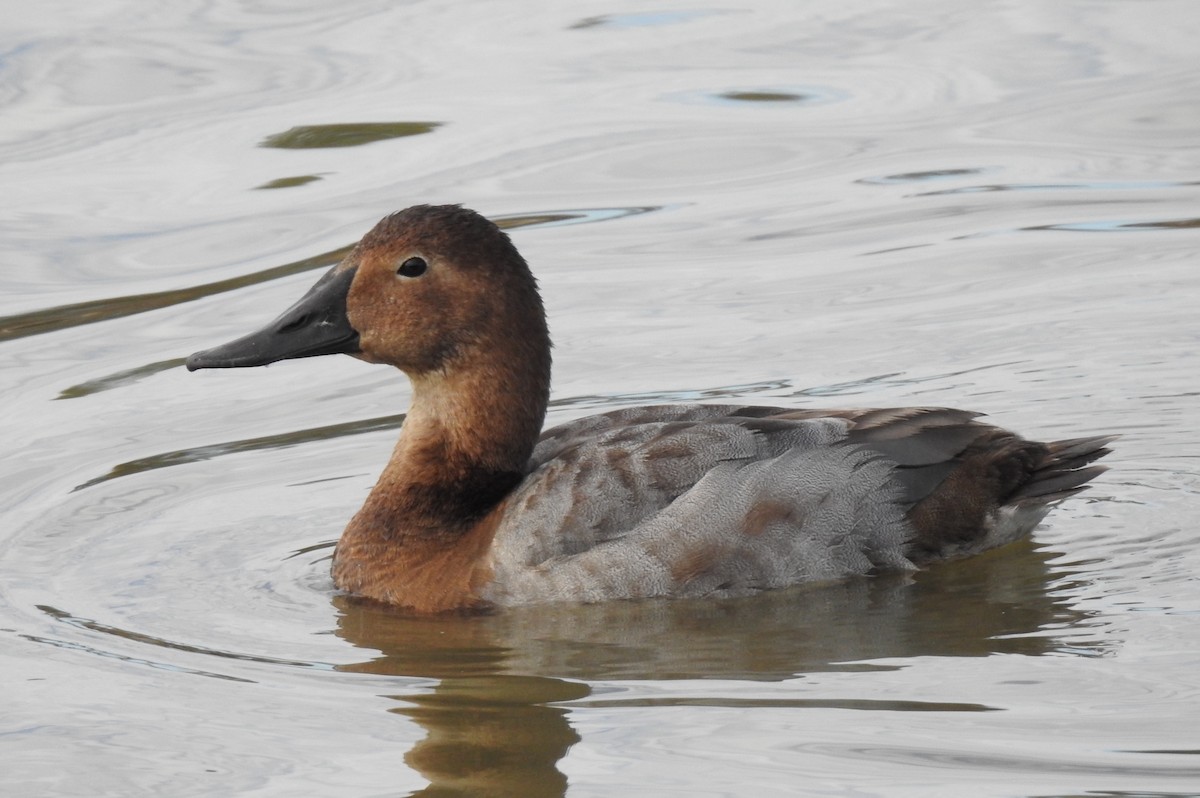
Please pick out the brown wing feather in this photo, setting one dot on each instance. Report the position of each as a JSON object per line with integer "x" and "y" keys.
{"x": 956, "y": 472}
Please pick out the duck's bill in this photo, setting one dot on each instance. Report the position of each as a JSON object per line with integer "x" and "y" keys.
{"x": 316, "y": 325}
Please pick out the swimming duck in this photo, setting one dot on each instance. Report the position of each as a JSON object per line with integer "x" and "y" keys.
{"x": 476, "y": 509}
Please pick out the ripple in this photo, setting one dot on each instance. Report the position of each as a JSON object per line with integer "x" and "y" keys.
{"x": 190, "y": 648}
{"x": 608, "y": 401}
{"x": 573, "y": 216}
{"x": 976, "y": 761}
{"x": 72, "y": 645}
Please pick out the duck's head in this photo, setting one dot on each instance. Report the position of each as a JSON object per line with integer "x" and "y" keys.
{"x": 428, "y": 289}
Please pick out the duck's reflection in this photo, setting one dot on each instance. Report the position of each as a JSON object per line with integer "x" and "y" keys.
{"x": 494, "y": 726}
{"x": 494, "y": 736}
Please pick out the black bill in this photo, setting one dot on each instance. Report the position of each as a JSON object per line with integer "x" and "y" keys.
{"x": 316, "y": 325}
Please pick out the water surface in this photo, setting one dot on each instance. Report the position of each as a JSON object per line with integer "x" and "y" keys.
{"x": 861, "y": 203}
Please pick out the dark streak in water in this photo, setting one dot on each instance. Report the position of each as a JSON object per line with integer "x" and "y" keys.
{"x": 287, "y": 439}
{"x": 281, "y": 441}
{"x": 1177, "y": 224}
{"x": 642, "y": 19}
{"x": 1132, "y": 185}
{"x": 763, "y": 96}
{"x": 918, "y": 177}
{"x": 118, "y": 378}
{"x": 307, "y": 137}
{"x": 1119, "y": 226}
{"x": 74, "y": 315}
{"x": 896, "y": 249}
{"x": 63, "y": 317}
{"x": 288, "y": 182}
{"x": 780, "y": 96}
{"x": 298, "y": 437}
{"x": 328, "y": 544}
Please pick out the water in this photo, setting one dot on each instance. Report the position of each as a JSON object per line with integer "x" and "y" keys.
{"x": 861, "y": 203}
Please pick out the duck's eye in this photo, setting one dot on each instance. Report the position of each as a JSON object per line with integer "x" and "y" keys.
{"x": 413, "y": 267}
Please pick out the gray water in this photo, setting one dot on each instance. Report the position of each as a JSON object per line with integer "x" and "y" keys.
{"x": 988, "y": 205}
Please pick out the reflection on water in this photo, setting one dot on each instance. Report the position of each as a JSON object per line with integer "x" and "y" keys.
{"x": 66, "y": 316}
{"x": 1116, "y": 226}
{"x": 493, "y": 724}
{"x": 311, "y": 137}
{"x": 493, "y": 736}
{"x": 289, "y": 182}
{"x": 997, "y": 603}
{"x": 919, "y": 177}
{"x": 282, "y": 440}
{"x": 645, "y": 19}
{"x": 779, "y": 97}
{"x": 118, "y": 379}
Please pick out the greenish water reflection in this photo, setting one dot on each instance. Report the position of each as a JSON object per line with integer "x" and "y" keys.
{"x": 289, "y": 182}
{"x": 351, "y": 134}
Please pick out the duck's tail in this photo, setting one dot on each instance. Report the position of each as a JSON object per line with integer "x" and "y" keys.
{"x": 1064, "y": 470}
{"x": 1000, "y": 489}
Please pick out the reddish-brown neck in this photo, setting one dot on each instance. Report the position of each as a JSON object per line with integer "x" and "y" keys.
{"x": 422, "y": 538}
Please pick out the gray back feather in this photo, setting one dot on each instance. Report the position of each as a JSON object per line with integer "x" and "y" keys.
{"x": 693, "y": 501}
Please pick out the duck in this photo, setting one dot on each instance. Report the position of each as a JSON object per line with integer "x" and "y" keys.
{"x": 479, "y": 509}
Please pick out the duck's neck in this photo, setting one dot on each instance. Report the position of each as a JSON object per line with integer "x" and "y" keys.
{"x": 423, "y": 535}
{"x": 465, "y": 444}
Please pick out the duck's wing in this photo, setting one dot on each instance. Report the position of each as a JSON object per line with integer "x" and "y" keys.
{"x": 688, "y": 500}
{"x": 596, "y": 479}
{"x": 922, "y": 442}
{"x": 696, "y": 501}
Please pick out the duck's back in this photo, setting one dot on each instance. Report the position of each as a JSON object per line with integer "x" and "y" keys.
{"x": 694, "y": 500}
